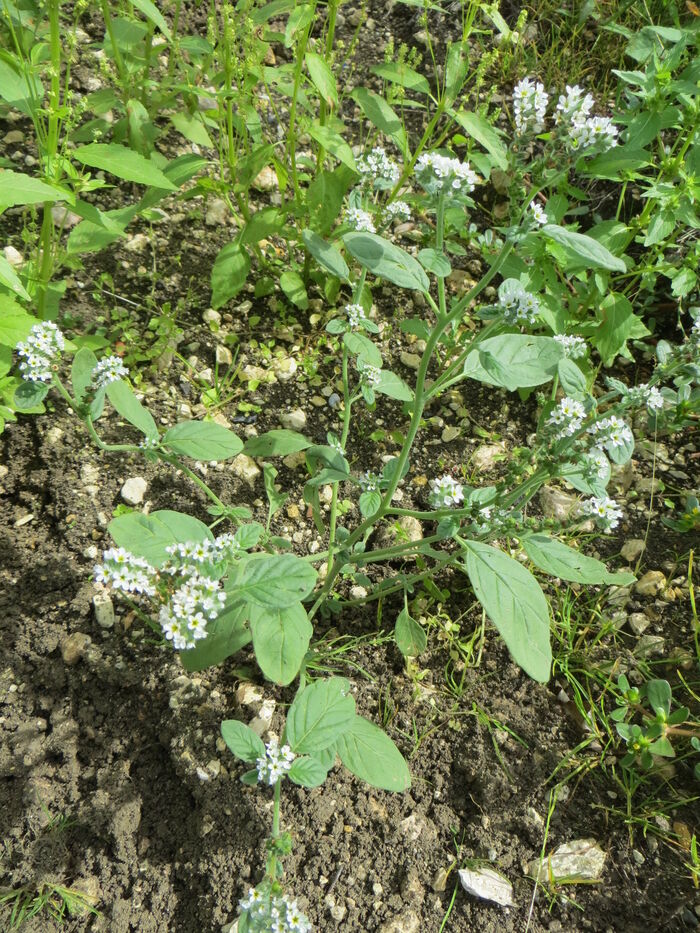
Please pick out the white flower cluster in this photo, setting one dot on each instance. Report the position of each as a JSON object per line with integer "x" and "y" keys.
{"x": 196, "y": 600}
{"x": 39, "y": 351}
{"x": 274, "y": 763}
{"x": 597, "y": 463}
{"x": 489, "y": 519}
{"x": 574, "y": 347}
{"x": 574, "y": 110}
{"x": 371, "y": 375}
{"x": 611, "y": 433}
{"x": 124, "y": 571}
{"x": 110, "y": 369}
{"x": 446, "y": 492}
{"x": 567, "y": 417}
{"x": 398, "y": 210}
{"x": 378, "y": 169}
{"x": 272, "y": 913}
{"x": 518, "y": 305}
{"x": 356, "y": 314}
{"x": 604, "y": 510}
{"x": 538, "y": 213}
{"x": 646, "y": 395}
{"x": 440, "y": 174}
{"x": 369, "y": 482}
{"x": 530, "y": 105}
{"x": 359, "y": 220}
{"x": 184, "y": 619}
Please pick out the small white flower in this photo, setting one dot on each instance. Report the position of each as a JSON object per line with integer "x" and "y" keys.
{"x": 356, "y": 314}
{"x": 644, "y": 394}
{"x": 572, "y": 103}
{"x": 378, "y": 169}
{"x": 371, "y": 375}
{"x": 398, "y": 210}
{"x": 369, "y": 482}
{"x": 606, "y": 511}
{"x": 530, "y": 105}
{"x": 574, "y": 347}
{"x": 612, "y": 433}
{"x": 359, "y": 220}
{"x": 40, "y": 351}
{"x": 274, "y": 763}
{"x": 538, "y": 213}
{"x": 110, "y": 369}
{"x": 446, "y": 492}
{"x": 441, "y": 174}
{"x": 518, "y": 305}
{"x": 567, "y": 417}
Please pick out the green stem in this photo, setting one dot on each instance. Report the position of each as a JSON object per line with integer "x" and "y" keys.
{"x": 291, "y": 131}
{"x": 50, "y": 152}
{"x": 118, "y": 60}
{"x": 439, "y": 238}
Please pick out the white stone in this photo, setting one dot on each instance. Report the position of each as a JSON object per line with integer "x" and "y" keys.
{"x": 104, "y": 610}
{"x": 266, "y": 180}
{"x": 13, "y": 256}
{"x": 224, "y": 356}
{"x": 293, "y": 420}
{"x": 652, "y": 583}
{"x": 245, "y": 468}
{"x": 284, "y": 368}
{"x": 137, "y": 243}
{"x": 263, "y": 720}
{"x": 133, "y": 490}
{"x": 487, "y": 456}
{"x": 577, "y": 861}
{"x": 217, "y": 213}
{"x": 412, "y": 360}
{"x": 632, "y": 549}
{"x": 487, "y": 884}
{"x": 211, "y": 316}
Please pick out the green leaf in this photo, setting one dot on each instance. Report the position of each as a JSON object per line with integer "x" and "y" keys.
{"x": 29, "y": 395}
{"x": 10, "y": 279}
{"x": 228, "y": 633}
{"x": 485, "y": 134}
{"x": 281, "y": 639}
{"x": 322, "y": 77}
{"x": 121, "y": 395}
{"x": 325, "y": 254}
{"x": 392, "y": 385}
{"x": 579, "y": 473}
{"x": 275, "y": 498}
{"x": 293, "y": 287}
{"x": 84, "y": 362}
{"x": 363, "y": 347}
{"x": 271, "y": 581}
{"x": 572, "y": 380}
{"x": 585, "y": 248}
{"x": 617, "y": 163}
{"x": 124, "y": 163}
{"x": 435, "y": 262}
{"x": 22, "y": 91}
{"x": 203, "y": 440}
{"x": 229, "y": 273}
{"x": 307, "y": 771}
{"x": 18, "y": 188}
{"x": 148, "y": 536}
{"x": 276, "y": 443}
{"x": 262, "y": 224}
{"x": 619, "y": 324}
{"x": 561, "y": 561}
{"x": 242, "y": 741}
{"x": 192, "y": 129}
{"x": 409, "y": 635}
{"x": 369, "y": 502}
{"x": 387, "y": 260}
{"x": 515, "y": 604}
{"x": 370, "y": 755}
{"x": 514, "y": 361}
{"x": 661, "y": 226}
{"x": 399, "y": 73}
{"x": 334, "y": 143}
{"x": 659, "y": 695}
{"x": 153, "y": 14}
{"x": 378, "y": 112}
{"x": 15, "y": 323}
{"x": 320, "y": 713}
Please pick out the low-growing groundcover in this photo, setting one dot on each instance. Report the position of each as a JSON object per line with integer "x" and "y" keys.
{"x": 399, "y": 653}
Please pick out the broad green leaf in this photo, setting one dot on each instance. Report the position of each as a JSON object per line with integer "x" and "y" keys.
{"x": 370, "y": 755}
{"x": 456, "y": 68}
{"x": 514, "y": 361}
{"x": 322, "y": 77}
{"x": 262, "y": 224}
{"x": 281, "y": 638}
{"x": 148, "y": 536}
{"x": 276, "y": 443}
{"x": 590, "y": 252}
{"x": 378, "y": 112}
{"x": 15, "y": 323}
{"x": 29, "y": 395}
{"x": 334, "y": 143}
{"x": 392, "y": 385}
{"x": 271, "y": 581}
{"x": 618, "y": 324}
{"x": 307, "y": 771}
{"x": 192, "y": 129}
{"x": 203, "y": 440}
{"x": 571, "y": 379}
{"x": 617, "y": 163}
{"x": 661, "y": 226}
{"x": 369, "y": 502}
{"x": 242, "y": 741}
{"x": 409, "y": 635}
{"x": 17, "y": 188}
{"x": 319, "y": 715}
{"x": 229, "y": 273}
{"x": 515, "y": 604}
{"x": 121, "y": 395}
{"x": 561, "y": 561}
{"x": 124, "y": 163}
{"x": 325, "y": 254}
{"x": 228, "y": 633}
{"x": 399, "y": 73}
{"x": 10, "y": 279}
{"x": 363, "y": 347}
{"x": 387, "y": 260}
{"x": 485, "y": 134}
{"x": 435, "y": 262}
{"x": 153, "y": 14}
{"x": 293, "y": 287}
{"x": 84, "y": 362}
{"x": 23, "y": 92}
